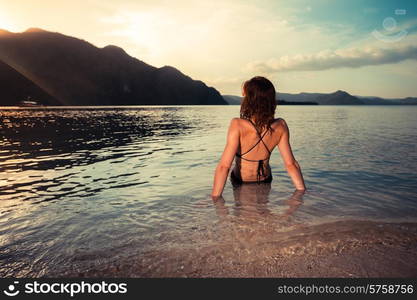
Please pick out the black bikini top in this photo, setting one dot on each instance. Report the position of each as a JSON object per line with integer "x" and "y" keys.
{"x": 261, "y": 170}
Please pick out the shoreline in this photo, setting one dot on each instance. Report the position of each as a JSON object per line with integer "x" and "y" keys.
{"x": 338, "y": 249}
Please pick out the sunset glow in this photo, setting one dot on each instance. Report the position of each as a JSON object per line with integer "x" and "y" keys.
{"x": 6, "y": 23}
{"x": 309, "y": 46}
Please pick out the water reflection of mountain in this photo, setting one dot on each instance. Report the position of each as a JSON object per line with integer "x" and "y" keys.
{"x": 73, "y": 137}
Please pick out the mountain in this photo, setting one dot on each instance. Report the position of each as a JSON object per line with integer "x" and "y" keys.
{"x": 15, "y": 87}
{"x": 232, "y": 100}
{"x": 377, "y": 101}
{"x": 343, "y": 98}
{"x": 301, "y": 97}
{"x": 56, "y": 69}
{"x": 283, "y": 102}
{"x": 336, "y": 98}
{"x": 236, "y": 100}
{"x": 382, "y": 101}
{"x": 409, "y": 101}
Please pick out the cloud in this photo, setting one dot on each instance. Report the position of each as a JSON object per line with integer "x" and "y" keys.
{"x": 345, "y": 58}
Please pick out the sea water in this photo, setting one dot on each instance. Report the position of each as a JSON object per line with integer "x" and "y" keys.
{"x": 86, "y": 188}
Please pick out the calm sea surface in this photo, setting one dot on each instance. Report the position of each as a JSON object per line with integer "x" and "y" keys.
{"x": 86, "y": 187}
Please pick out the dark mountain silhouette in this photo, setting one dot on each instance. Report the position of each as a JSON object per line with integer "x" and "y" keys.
{"x": 341, "y": 97}
{"x": 283, "y": 102}
{"x": 376, "y": 101}
{"x": 383, "y": 101}
{"x": 409, "y": 101}
{"x": 236, "y": 100}
{"x": 15, "y": 87}
{"x": 336, "y": 98}
{"x": 61, "y": 70}
{"x": 232, "y": 99}
{"x": 301, "y": 97}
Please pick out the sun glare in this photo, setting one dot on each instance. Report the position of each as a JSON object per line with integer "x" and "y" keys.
{"x": 139, "y": 27}
{"x": 6, "y": 23}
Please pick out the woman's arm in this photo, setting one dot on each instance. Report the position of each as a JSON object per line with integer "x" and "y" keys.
{"x": 292, "y": 166}
{"x": 223, "y": 167}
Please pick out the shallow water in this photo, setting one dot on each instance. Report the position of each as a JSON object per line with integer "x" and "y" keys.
{"x": 84, "y": 188}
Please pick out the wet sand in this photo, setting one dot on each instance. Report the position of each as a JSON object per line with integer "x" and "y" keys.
{"x": 348, "y": 248}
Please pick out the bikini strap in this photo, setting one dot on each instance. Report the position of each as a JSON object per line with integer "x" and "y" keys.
{"x": 256, "y": 145}
{"x": 261, "y": 138}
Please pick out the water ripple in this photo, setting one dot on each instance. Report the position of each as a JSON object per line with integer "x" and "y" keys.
{"x": 85, "y": 186}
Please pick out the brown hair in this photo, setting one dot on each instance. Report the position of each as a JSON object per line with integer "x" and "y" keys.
{"x": 259, "y": 102}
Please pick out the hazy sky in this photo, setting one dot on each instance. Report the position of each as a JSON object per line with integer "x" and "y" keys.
{"x": 365, "y": 47}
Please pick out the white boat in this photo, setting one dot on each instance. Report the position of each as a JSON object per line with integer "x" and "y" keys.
{"x": 29, "y": 103}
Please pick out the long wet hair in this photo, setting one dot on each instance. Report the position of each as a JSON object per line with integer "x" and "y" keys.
{"x": 259, "y": 102}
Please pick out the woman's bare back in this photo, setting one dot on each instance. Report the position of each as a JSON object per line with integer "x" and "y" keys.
{"x": 252, "y": 149}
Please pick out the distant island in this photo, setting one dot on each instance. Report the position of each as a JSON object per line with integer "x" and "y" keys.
{"x": 54, "y": 69}
{"x": 236, "y": 100}
{"x": 336, "y": 98}
{"x": 283, "y": 102}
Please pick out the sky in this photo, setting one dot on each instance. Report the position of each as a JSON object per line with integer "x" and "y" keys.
{"x": 364, "y": 47}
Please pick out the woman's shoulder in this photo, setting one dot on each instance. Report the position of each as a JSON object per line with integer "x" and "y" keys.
{"x": 234, "y": 121}
{"x": 238, "y": 121}
{"x": 279, "y": 122}
{"x": 280, "y": 126}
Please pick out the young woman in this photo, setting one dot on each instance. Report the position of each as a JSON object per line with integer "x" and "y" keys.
{"x": 251, "y": 139}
